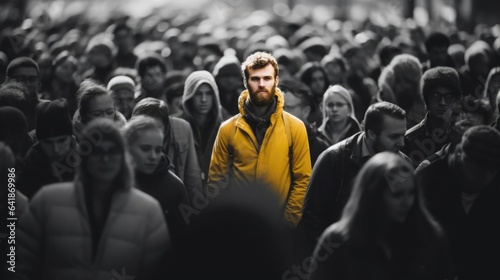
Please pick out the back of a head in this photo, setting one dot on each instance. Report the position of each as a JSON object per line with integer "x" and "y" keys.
{"x": 374, "y": 115}
{"x": 482, "y": 144}
{"x": 52, "y": 119}
{"x": 239, "y": 235}
{"x": 436, "y": 39}
{"x": 154, "y": 108}
{"x": 387, "y": 53}
{"x": 13, "y": 94}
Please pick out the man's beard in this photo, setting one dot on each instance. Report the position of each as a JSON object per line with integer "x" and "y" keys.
{"x": 260, "y": 100}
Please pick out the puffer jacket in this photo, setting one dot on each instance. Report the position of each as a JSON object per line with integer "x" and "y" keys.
{"x": 268, "y": 165}
{"x": 54, "y": 236}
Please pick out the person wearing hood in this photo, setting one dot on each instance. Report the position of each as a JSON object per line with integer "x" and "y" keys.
{"x": 227, "y": 76}
{"x": 144, "y": 138}
{"x": 202, "y": 110}
{"x": 339, "y": 120}
{"x": 252, "y": 145}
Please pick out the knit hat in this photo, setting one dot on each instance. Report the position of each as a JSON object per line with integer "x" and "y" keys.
{"x": 121, "y": 82}
{"x": 482, "y": 143}
{"x": 226, "y": 66}
{"x": 52, "y": 119}
{"x": 441, "y": 77}
{"x": 12, "y": 123}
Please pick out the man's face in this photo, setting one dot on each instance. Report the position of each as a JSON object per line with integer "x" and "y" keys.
{"x": 477, "y": 173}
{"x": 440, "y": 103}
{"x": 391, "y": 137}
{"x": 438, "y": 55}
{"x": 29, "y": 77}
{"x": 55, "y": 148}
{"x": 295, "y": 106}
{"x": 124, "y": 41}
{"x": 124, "y": 100}
{"x": 203, "y": 99}
{"x": 261, "y": 85}
{"x": 153, "y": 78}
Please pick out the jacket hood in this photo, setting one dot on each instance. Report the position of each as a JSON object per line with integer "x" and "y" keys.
{"x": 193, "y": 82}
{"x": 280, "y": 101}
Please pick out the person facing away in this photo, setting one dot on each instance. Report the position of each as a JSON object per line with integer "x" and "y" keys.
{"x": 48, "y": 160}
{"x": 144, "y": 137}
{"x": 202, "y": 110}
{"x": 339, "y": 119}
{"x": 399, "y": 83}
{"x": 385, "y": 231}
{"x": 441, "y": 90}
{"x": 250, "y": 147}
{"x": 336, "y": 168}
{"x": 96, "y": 226}
{"x": 461, "y": 191}
{"x": 300, "y": 103}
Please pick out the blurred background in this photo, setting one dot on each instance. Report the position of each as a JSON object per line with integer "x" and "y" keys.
{"x": 466, "y": 14}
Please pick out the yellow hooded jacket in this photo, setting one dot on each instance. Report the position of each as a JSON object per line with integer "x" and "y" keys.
{"x": 269, "y": 165}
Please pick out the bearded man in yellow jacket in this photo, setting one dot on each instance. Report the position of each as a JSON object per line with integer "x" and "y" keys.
{"x": 262, "y": 145}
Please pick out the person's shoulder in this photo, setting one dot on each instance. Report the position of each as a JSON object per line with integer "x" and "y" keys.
{"x": 55, "y": 192}
{"x": 415, "y": 131}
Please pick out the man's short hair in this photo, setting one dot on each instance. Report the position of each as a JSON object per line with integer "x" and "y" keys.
{"x": 121, "y": 26}
{"x": 14, "y": 94}
{"x": 436, "y": 39}
{"x": 299, "y": 90}
{"x": 374, "y": 115}
{"x": 19, "y": 62}
{"x": 148, "y": 61}
{"x": 258, "y": 60}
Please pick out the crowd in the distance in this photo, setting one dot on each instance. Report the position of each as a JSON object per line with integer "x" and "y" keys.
{"x": 258, "y": 147}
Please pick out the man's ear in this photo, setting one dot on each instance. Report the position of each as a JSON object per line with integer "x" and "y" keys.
{"x": 307, "y": 110}
{"x": 277, "y": 80}
{"x": 371, "y": 135}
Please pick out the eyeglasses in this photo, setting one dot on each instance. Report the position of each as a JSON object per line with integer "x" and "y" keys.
{"x": 337, "y": 104}
{"x": 448, "y": 98}
{"x": 100, "y": 113}
{"x": 99, "y": 153}
{"x": 26, "y": 79}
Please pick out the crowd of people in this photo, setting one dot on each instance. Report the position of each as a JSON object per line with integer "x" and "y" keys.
{"x": 194, "y": 148}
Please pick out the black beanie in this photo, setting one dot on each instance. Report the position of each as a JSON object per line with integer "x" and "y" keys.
{"x": 52, "y": 119}
{"x": 441, "y": 76}
{"x": 482, "y": 143}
